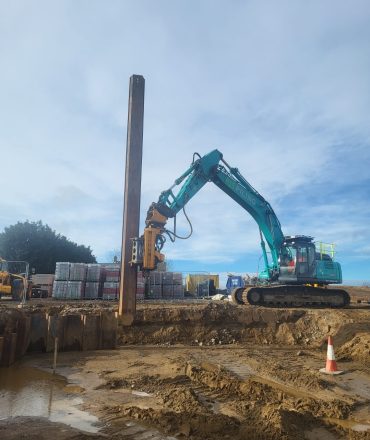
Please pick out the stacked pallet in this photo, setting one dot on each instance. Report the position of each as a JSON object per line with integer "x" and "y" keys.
{"x": 60, "y": 289}
{"x": 62, "y": 271}
{"x": 111, "y": 283}
{"x": 140, "y": 286}
{"x": 76, "y": 289}
{"x": 94, "y": 272}
{"x": 155, "y": 285}
{"x": 94, "y": 277}
{"x": 70, "y": 279}
{"x": 92, "y": 290}
{"x": 178, "y": 288}
{"x": 93, "y": 281}
{"x": 165, "y": 285}
{"x": 77, "y": 271}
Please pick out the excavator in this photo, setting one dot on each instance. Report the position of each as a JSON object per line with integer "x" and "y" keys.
{"x": 296, "y": 272}
{"x": 14, "y": 282}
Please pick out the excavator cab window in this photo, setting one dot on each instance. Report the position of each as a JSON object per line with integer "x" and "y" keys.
{"x": 305, "y": 260}
{"x": 288, "y": 256}
{"x": 287, "y": 262}
{"x": 297, "y": 261}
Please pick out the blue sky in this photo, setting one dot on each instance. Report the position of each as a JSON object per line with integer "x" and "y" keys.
{"x": 281, "y": 88}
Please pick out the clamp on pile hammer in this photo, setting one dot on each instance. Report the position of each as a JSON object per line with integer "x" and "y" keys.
{"x": 146, "y": 249}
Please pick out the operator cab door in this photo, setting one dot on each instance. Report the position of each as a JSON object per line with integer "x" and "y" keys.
{"x": 297, "y": 263}
{"x": 287, "y": 266}
{"x": 305, "y": 262}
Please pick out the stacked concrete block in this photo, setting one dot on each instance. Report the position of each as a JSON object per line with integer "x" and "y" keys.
{"x": 112, "y": 273}
{"x": 155, "y": 291}
{"x": 178, "y": 291}
{"x": 140, "y": 286}
{"x": 155, "y": 278}
{"x": 94, "y": 273}
{"x": 76, "y": 289}
{"x": 165, "y": 285}
{"x": 77, "y": 271}
{"x": 62, "y": 271}
{"x": 60, "y": 289}
{"x": 177, "y": 278}
{"x": 94, "y": 276}
{"x": 167, "y": 291}
{"x": 110, "y": 290}
{"x": 167, "y": 278}
{"x": 92, "y": 290}
{"x": 69, "y": 280}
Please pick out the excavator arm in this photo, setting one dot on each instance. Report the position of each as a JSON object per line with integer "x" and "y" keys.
{"x": 209, "y": 168}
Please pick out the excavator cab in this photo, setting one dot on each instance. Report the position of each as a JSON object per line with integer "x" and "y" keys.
{"x": 297, "y": 260}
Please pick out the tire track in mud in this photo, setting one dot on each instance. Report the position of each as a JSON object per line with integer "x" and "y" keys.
{"x": 210, "y": 402}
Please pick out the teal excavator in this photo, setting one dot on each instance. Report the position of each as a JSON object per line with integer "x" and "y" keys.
{"x": 296, "y": 272}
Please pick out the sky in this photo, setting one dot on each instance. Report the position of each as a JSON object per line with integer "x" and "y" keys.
{"x": 280, "y": 88}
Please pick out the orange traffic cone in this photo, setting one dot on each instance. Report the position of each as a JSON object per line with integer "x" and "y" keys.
{"x": 331, "y": 365}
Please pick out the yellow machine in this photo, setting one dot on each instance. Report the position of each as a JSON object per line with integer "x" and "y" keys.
{"x": 14, "y": 279}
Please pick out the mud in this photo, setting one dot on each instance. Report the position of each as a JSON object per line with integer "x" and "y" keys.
{"x": 216, "y": 371}
{"x": 226, "y": 392}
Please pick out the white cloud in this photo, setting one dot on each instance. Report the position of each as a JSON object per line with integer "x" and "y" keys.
{"x": 281, "y": 89}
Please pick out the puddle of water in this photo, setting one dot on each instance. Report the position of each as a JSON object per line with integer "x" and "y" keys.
{"x": 350, "y": 424}
{"x": 362, "y": 414}
{"x": 355, "y": 383}
{"x": 141, "y": 393}
{"x": 28, "y": 391}
{"x": 319, "y": 434}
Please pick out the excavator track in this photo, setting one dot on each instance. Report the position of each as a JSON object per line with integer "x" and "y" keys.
{"x": 291, "y": 296}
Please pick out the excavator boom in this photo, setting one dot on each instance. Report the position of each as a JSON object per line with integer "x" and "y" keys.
{"x": 213, "y": 168}
{"x": 292, "y": 262}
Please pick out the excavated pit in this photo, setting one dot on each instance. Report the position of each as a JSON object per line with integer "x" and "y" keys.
{"x": 204, "y": 371}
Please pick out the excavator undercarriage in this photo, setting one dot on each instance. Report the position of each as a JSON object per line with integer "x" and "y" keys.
{"x": 290, "y": 296}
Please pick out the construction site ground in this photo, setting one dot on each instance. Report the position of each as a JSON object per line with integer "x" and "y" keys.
{"x": 207, "y": 370}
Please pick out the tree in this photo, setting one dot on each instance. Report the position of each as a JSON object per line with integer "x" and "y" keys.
{"x": 41, "y": 246}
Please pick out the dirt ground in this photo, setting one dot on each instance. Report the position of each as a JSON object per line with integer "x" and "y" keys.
{"x": 219, "y": 371}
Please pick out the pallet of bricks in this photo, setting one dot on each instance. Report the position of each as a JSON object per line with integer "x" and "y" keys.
{"x": 94, "y": 279}
{"x": 70, "y": 279}
{"x": 140, "y": 286}
{"x": 165, "y": 285}
{"x": 77, "y": 281}
{"x": 111, "y": 281}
